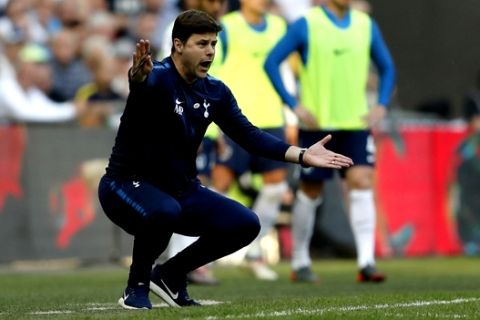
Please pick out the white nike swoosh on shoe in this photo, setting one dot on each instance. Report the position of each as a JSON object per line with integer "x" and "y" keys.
{"x": 173, "y": 295}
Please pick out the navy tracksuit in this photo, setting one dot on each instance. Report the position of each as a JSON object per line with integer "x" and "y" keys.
{"x": 150, "y": 188}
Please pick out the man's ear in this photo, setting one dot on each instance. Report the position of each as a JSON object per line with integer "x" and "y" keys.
{"x": 178, "y": 45}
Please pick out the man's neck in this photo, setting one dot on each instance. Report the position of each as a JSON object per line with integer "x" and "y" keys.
{"x": 252, "y": 17}
{"x": 337, "y": 10}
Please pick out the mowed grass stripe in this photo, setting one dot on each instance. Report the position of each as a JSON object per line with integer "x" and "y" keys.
{"x": 416, "y": 289}
{"x": 286, "y": 313}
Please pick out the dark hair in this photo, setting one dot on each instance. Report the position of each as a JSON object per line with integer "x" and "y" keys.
{"x": 193, "y": 22}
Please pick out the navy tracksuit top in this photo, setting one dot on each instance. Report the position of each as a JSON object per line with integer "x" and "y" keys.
{"x": 164, "y": 122}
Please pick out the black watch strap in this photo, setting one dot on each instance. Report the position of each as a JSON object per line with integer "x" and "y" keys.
{"x": 300, "y": 158}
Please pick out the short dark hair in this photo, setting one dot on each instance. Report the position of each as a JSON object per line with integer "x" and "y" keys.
{"x": 193, "y": 22}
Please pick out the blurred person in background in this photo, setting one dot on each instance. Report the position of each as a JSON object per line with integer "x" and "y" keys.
{"x": 10, "y": 45}
{"x": 69, "y": 71}
{"x": 145, "y": 21}
{"x": 471, "y": 106}
{"x": 389, "y": 243}
{"x": 99, "y": 98}
{"x": 145, "y": 26}
{"x": 333, "y": 78}
{"x": 248, "y": 36}
{"x": 108, "y": 61}
{"x": 102, "y": 23}
{"x": 233, "y": 5}
{"x": 93, "y": 48}
{"x": 151, "y": 21}
{"x": 3, "y": 5}
{"x": 180, "y": 6}
{"x": 293, "y": 9}
{"x": 215, "y": 8}
{"x": 46, "y": 16}
{"x": 20, "y": 16}
{"x": 72, "y": 14}
{"x": 122, "y": 55}
{"x": 468, "y": 174}
{"x": 21, "y": 97}
{"x": 99, "y": 5}
{"x": 372, "y": 80}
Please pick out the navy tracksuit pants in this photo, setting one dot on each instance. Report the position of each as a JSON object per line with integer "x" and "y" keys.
{"x": 151, "y": 216}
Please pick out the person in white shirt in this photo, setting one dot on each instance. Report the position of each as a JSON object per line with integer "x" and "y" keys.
{"x": 21, "y": 99}
{"x": 10, "y": 45}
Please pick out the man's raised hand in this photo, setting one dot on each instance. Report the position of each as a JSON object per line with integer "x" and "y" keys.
{"x": 142, "y": 61}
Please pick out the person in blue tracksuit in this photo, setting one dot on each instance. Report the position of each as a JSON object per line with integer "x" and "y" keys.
{"x": 151, "y": 189}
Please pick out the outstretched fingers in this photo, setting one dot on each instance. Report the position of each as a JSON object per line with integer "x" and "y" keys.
{"x": 141, "y": 57}
{"x": 338, "y": 161}
{"x": 319, "y": 156}
{"x": 142, "y": 50}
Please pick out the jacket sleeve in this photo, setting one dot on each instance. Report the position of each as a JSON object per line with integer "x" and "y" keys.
{"x": 233, "y": 123}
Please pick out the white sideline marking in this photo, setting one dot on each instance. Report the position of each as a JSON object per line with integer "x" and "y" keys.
{"x": 39, "y": 313}
{"x": 428, "y": 315}
{"x": 286, "y": 313}
{"x": 211, "y": 302}
{"x": 100, "y": 307}
{"x": 113, "y": 306}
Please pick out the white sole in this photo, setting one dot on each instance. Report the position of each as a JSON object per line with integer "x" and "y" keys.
{"x": 122, "y": 303}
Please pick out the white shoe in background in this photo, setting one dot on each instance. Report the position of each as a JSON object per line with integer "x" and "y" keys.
{"x": 262, "y": 271}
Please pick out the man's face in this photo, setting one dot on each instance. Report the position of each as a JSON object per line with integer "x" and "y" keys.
{"x": 212, "y": 7}
{"x": 196, "y": 55}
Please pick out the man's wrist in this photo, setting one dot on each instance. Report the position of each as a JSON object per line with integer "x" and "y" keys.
{"x": 133, "y": 75}
{"x": 300, "y": 158}
{"x": 292, "y": 154}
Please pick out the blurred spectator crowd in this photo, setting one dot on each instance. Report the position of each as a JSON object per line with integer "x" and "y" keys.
{"x": 67, "y": 60}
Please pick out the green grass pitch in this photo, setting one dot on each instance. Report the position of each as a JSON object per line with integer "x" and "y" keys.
{"x": 426, "y": 288}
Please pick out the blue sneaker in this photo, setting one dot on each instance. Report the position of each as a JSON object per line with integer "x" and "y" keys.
{"x": 173, "y": 293}
{"x": 135, "y": 298}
